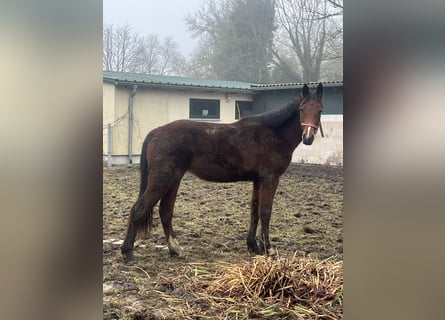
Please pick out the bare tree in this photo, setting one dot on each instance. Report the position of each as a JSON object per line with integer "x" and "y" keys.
{"x": 198, "y": 66}
{"x": 159, "y": 57}
{"x": 337, "y": 4}
{"x": 236, "y": 37}
{"x": 149, "y": 57}
{"x": 107, "y": 47}
{"x": 126, "y": 51}
{"x": 171, "y": 59}
{"x": 121, "y": 48}
{"x": 309, "y": 31}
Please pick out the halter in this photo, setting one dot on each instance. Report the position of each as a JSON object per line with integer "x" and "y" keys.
{"x": 313, "y": 126}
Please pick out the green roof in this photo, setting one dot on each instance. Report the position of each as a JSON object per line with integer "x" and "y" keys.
{"x": 126, "y": 78}
{"x": 292, "y": 85}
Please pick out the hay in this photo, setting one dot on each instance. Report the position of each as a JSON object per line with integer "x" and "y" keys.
{"x": 297, "y": 288}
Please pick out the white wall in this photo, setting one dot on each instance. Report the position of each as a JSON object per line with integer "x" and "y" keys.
{"x": 107, "y": 112}
{"x": 153, "y": 108}
{"x": 327, "y": 150}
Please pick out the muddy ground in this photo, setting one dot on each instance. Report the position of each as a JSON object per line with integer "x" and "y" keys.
{"x": 211, "y": 221}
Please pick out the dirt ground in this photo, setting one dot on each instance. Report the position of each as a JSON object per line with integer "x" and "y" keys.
{"x": 211, "y": 221}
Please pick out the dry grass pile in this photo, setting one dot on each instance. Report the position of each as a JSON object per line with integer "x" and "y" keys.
{"x": 295, "y": 288}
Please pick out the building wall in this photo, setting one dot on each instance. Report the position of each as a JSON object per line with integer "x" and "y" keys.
{"x": 120, "y": 128}
{"x": 153, "y": 108}
{"x": 264, "y": 101}
{"x": 108, "y": 112}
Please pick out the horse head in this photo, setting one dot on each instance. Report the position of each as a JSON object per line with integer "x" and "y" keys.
{"x": 310, "y": 112}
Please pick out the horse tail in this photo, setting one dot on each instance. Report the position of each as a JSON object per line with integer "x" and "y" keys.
{"x": 144, "y": 169}
{"x": 144, "y": 165}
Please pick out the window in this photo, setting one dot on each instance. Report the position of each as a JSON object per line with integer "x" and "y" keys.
{"x": 243, "y": 108}
{"x": 204, "y": 109}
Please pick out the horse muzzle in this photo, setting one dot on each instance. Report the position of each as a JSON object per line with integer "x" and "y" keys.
{"x": 309, "y": 134}
{"x": 308, "y": 139}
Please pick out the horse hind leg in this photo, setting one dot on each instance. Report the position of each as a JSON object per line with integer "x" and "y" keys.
{"x": 137, "y": 222}
{"x": 166, "y": 214}
{"x": 140, "y": 219}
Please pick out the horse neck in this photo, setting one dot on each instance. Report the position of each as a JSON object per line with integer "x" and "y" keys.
{"x": 291, "y": 131}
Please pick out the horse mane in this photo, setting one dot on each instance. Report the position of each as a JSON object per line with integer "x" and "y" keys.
{"x": 276, "y": 118}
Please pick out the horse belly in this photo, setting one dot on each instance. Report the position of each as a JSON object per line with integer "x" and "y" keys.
{"x": 220, "y": 171}
{"x": 221, "y": 177}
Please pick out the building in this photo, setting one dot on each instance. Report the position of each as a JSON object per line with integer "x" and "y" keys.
{"x": 134, "y": 104}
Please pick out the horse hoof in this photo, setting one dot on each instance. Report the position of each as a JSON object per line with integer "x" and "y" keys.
{"x": 257, "y": 250}
{"x": 179, "y": 254}
{"x": 271, "y": 252}
{"x": 177, "y": 251}
{"x": 174, "y": 248}
{"x": 128, "y": 257}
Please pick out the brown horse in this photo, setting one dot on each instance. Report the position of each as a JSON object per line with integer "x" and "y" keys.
{"x": 256, "y": 148}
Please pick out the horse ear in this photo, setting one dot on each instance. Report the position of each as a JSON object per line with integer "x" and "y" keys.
{"x": 319, "y": 92}
{"x": 305, "y": 91}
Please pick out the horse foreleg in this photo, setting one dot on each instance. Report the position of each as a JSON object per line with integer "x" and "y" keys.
{"x": 166, "y": 213}
{"x": 254, "y": 217}
{"x": 266, "y": 196}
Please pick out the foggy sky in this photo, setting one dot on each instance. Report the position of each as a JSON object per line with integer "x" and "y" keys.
{"x": 161, "y": 17}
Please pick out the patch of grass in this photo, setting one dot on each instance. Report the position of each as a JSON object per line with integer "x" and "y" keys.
{"x": 265, "y": 287}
